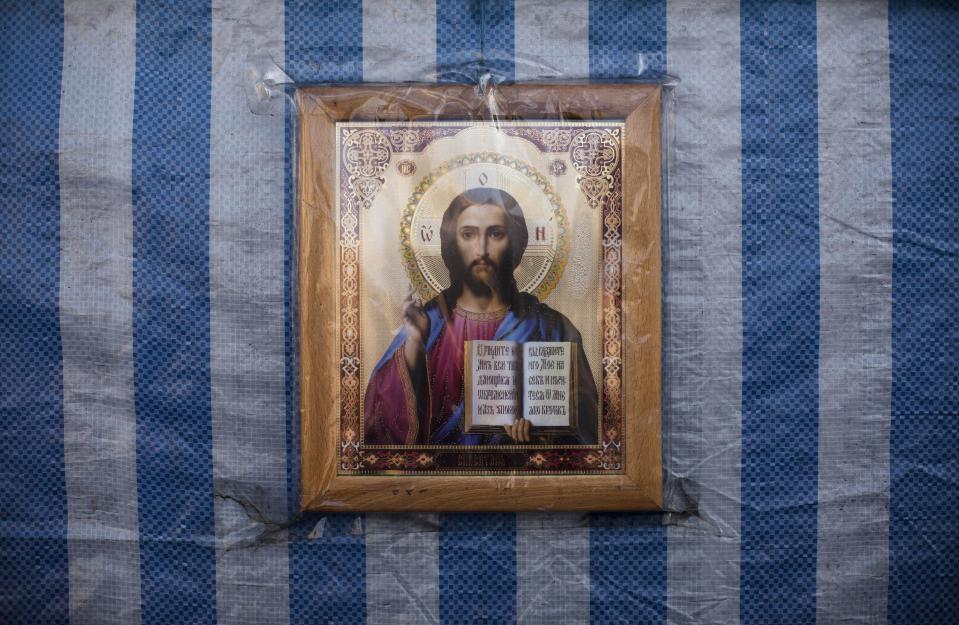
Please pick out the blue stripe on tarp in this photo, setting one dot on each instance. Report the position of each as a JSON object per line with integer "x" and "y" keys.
{"x": 627, "y": 568}
{"x": 33, "y": 507}
{"x": 477, "y": 564}
{"x": 290, "y": 324}
{"x": 924, "y": 515}
{"x": 327, "y": 579}
{"x": 626, "y": 38}
{"x": 328, "y": 570}
{"x": 472, "y": 34}
{"x": 290, "y": 332}
{"x": 324, "y": 41}
{"x": 171, "y": 311}
{"x": 627, "y": 551}
{"x": 477, "y": 552}
{"x": 780, "y": 395}
{"x": 498, "y": 24}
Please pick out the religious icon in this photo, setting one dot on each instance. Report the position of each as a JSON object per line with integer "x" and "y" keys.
{"x": 465, "y": 309}
{"x": 480, "y": 301}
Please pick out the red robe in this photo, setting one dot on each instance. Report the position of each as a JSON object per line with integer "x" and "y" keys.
{"x": 392, "y": 387}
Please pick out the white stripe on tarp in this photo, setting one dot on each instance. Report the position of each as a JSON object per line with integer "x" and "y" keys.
{"x": 402, "y": 577}
{"x": 552, "y": 568}
{"x": 704, "y": 309}
{"x": 855, "y": 345}
{"x": 96, "y": 313}
{"x": 399, "y": 40}
{"x": 247, "y": 365}
{"x": 551, "y": 39}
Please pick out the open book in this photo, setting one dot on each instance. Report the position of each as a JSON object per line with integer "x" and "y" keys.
{"x": 505, "y": 380}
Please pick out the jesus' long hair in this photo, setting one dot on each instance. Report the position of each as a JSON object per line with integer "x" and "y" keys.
{"x": 515, "y": 227}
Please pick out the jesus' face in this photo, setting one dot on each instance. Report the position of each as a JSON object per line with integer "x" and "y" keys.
{"x": 482, "y": 239}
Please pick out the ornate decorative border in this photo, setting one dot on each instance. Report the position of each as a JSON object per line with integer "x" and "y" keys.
{"x": 366, "y": 154}
{"x": 595, "y": 150}
{"x": 595, "y": 156}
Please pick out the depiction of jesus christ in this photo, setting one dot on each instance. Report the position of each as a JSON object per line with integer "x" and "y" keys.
{"x": 415, "y": 394}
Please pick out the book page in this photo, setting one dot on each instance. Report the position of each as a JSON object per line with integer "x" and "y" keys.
{"x": 492, "y": 367}
{"x": 547, "y": 374}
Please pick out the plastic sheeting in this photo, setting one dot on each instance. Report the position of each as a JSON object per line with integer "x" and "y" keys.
{"x": 148, "y": 404}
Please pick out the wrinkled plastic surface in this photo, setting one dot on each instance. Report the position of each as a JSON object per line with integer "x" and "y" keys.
{"x": 146, "y": 390}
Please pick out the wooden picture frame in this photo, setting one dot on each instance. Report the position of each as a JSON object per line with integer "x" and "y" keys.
{"x": 634, "y": 446}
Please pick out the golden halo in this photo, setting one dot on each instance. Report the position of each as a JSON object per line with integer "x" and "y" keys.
{"x": 546, "y": 254}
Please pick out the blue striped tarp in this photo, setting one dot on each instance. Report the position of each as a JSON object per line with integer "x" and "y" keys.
{"x": 147, "y": 369}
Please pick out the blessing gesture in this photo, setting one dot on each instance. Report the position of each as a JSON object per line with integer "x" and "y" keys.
{"x": 417, "y": 325}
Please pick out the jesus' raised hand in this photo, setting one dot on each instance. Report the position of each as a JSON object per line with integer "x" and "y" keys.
{"x": 417, "y": 325}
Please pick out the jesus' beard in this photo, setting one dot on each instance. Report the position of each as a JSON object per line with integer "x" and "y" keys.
{"x": 498, "y": 280}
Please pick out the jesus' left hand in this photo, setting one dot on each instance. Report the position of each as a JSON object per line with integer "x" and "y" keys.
{"x": 518, "y": 431}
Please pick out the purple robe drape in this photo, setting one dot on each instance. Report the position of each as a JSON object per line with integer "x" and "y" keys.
{"x": 394, "y": 398}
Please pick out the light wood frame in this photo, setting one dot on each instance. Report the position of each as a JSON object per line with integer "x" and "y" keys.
{"x": 640, "y": 487}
